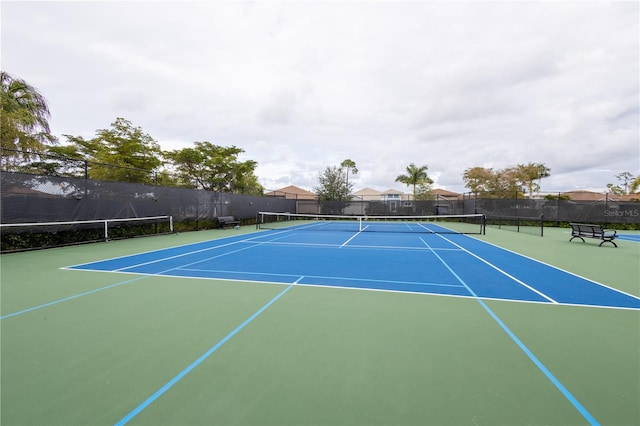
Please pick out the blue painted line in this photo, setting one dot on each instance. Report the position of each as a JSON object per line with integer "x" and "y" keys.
{"x": 588, "y": 417}
{"x": 197, "y": 362}
{"x": 55, "y": 302}
{"x": 66, "y": 299}
{"x": 577, "y": 405}
{"x": 634, "y": 238}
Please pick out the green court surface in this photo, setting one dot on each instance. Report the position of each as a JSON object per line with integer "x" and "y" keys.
{"x": 89, "y": 348}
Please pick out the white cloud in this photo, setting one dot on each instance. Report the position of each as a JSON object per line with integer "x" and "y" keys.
{"x": 301, "y": 86}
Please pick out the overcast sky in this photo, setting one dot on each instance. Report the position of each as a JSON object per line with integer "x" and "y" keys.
{"x": 301, "y": 86}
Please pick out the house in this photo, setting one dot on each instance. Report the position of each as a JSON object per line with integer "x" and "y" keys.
{"x": 394, "y": 199}
{"x": 443, "y": 194}
{"x": 292, "y": 192}
{"x": 582, "y": 195}
{"x": 367, "y": 194}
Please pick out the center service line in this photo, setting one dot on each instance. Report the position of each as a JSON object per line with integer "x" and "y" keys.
{"x": 581, "y": 409}
{"x": 197, "y": 362}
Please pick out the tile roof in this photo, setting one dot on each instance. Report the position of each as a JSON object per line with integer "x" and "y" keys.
{"x": 292, "y": 192}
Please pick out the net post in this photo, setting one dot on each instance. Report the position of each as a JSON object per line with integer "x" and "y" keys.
{"x": 171, "y": 223}
{"x": 106, "y": 232}
{"x": 542, "y": 224}
{"x": 484, "y": 224}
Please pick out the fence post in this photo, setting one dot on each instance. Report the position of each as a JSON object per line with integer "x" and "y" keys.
{"x": 86, "y": 178}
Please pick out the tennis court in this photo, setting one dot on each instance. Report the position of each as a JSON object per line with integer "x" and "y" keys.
{"x": 324, "y": 323}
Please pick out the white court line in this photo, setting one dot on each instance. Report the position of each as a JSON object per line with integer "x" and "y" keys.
{"x": 167, "y": 274}
{"x": 332, "y": 277}
{"x": 352, "y": 246}
{"x": 497, "y": 269}
{"x": 74, "y": 267}
{"x": 566, "y": 272}
{"x": 188, "y": 254}
{"x": 352, "y": 237}
{"x": 196, "y": 251}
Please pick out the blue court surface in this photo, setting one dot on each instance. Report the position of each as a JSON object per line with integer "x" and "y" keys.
{"x": 438, "y": 264}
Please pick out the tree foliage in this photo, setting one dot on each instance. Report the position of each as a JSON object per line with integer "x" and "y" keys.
{"x": 121, "y": 153}
{"x": 424, "y": 192}
{"x": 349, "y": 165}
{"x": 635, "y": 186}
{"x": 479, "y": 179}
{"x": 506, "y": 182}
{"x": 414, "y": 177}
{"x": 24, "y": 115}
{"x": 215, "y": 168}
{"x": 529, "y": 176}
{"x": 615, "y": 189}
{"x": 59, "y": 160}
{"x": 333, "y": 185}
{"x": 627, "y": 180}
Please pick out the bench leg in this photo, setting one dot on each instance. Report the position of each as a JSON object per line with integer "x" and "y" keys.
{"x": 576, "y": 236}
{"x": 607, "y": 241}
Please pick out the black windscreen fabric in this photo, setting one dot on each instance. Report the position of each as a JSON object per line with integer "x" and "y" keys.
{"x": 34, "y": 198}
{"x": 39, "y": 198}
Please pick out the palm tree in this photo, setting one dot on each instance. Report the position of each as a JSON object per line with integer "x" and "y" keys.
{"x": 626, "y": 178}
{"x": 635, "y": 185}
{"x": 415, "y": 176}
{"x": 349, "y": 165}
{"x": 23, "y": 116}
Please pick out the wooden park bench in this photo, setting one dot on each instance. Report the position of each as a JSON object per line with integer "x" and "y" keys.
{"x": 585, "y": 230}
{"x": 228, "y": 222}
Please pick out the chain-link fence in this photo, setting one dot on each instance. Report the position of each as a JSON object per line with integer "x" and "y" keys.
{"x": 44, "y": 188}
{"x": 554, "y": 211}
{"x": 36, "y": 198}
{"x": 40, "y": 198}
{"x": 28, "y": 198}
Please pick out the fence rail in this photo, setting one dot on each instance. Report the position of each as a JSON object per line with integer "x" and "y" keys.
{"x": 553, "y": 211}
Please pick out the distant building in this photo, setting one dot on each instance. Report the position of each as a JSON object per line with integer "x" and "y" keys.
{"x": 367, "y": 194}
{"x": 397, "y": 198}
{"x": 394, "y": 199}
{"x": 443, "y": 194}
{"x": 292, "y": 192}
{"x": 582, "y": 195}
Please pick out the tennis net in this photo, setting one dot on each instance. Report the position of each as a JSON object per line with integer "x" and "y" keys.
{"x": 527, "y": 225}
{"x": 440, "y": 224}
{"x": 27, "y": 236}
